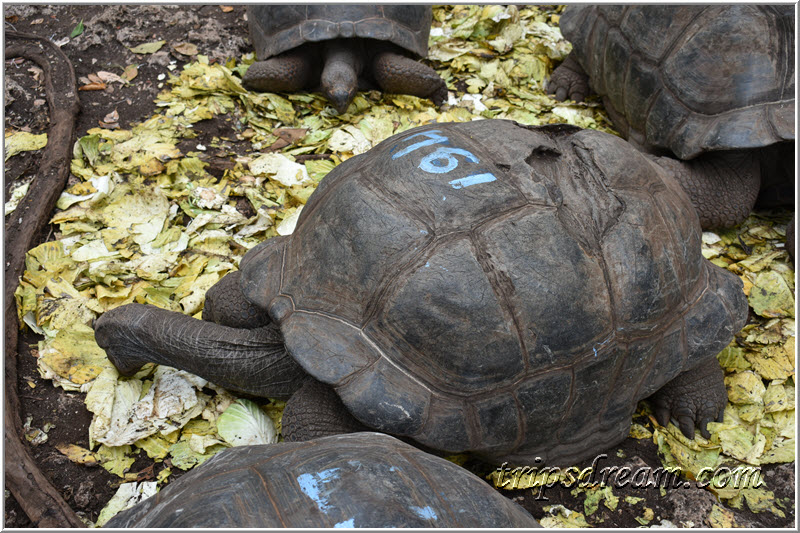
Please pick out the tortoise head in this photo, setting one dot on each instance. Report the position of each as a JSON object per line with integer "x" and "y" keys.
{"x": 339, "y": 79}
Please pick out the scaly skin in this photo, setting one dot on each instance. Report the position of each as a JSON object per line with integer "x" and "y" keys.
{"x": 316, "y": 411}
{"x": 399, "y": 74}
{"x": 569, "y": 80}
{"x": 723, "y": 186}
{"x": 249, "y": 361}
{"x": 290, "y": 71}
{"x": 694, "y": 398}
{"x": 227, "y": 306}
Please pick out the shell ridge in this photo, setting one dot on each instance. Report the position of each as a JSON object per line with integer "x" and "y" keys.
{"x": 443, "y": 503}
{"x": 270, "y": 496}
{"x": 522, "y": 426}
{"x": 493, "y": 276}
{"x": 683, "y": 36}
{"x": 392, "y": 281}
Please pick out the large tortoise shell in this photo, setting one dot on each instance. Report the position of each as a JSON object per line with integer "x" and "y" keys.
{"x": 690, "y": 78}
{"x": 355, "y": 480}
{"x": 496, "y": 288}
{"x": 276, "y": 28}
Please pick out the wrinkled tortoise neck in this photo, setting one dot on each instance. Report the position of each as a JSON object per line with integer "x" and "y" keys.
{"x": 249, "y": 361}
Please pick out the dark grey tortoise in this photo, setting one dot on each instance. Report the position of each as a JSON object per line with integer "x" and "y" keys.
{"x": 710, "y": 85}
{"x": 514, "y": 299}
{"x": 340, "y": 48}
{"x": 356, "y": 480}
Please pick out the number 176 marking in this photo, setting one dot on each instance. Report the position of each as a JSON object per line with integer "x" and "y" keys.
{"x": 443, "y": 159}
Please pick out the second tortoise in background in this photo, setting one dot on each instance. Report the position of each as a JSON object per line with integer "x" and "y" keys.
{"x": 342, "y": 48}
{"x": 712, "y": 86}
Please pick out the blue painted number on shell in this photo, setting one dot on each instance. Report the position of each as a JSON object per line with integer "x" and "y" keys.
{"x": 433, "y": 138}
{"x": 443, "y": 159}
{"x": 474, "y": 179}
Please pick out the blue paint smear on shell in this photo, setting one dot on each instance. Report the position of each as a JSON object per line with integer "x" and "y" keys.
{"x": 426, "y": 513}
{"x": 346, "y": 523}
{"x": 311, "y": 485}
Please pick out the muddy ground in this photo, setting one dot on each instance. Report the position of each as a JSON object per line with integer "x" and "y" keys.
{"x": 103, "y": 46}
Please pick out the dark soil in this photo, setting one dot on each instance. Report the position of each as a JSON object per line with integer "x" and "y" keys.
{"x": 109, "y": 32}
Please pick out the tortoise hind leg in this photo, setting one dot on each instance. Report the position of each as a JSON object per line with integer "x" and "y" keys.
{"x": 723, "y": 186}
{"x": 398, "y": 74}
{"x": 569, "y": 80}
{"x": 290, "y": 71}
{"x": 695, "y": 397}
{"x": 316, "y": 411}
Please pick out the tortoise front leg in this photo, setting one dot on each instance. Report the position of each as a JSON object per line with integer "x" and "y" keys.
{"x": 402, "y": 75}
{"x": 291, "y": 71}
{"x": 249, "y": 361}
{"x": 569, "y": 80}
{"x": 694, "y": 398}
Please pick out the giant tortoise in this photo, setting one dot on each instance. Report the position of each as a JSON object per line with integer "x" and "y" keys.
{"x": 515, "y": 299}
{"x": 341, "y": 47}
{"x": 356, "y": 480}
{"x": 711, "y": 85}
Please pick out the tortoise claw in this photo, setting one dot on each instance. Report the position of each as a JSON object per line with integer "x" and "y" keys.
{"x": 692, "y": 399}
{"x": 703, "y": 427}
{"x": 686, "y": 424}
{"x": 662, "y": 415}
{"x": 569, "y": 80}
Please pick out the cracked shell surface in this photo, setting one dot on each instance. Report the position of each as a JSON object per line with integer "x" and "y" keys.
{"x": 515, "y": 300}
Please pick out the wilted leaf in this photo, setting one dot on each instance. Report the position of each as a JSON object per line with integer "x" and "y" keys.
{"x": 745, "y": 387}
{"x": 281, "y": 169}
{"x": 22, "y": 141}
{"x": 18, "y": 192}
{"x": 127, "y": 495}
{"x": 639, "y": 432}
{"x": 771, "y": 295}
{"x": 131, "y": 71}
{"x": 148, "y": 48}
{"x": 758, "y": 500}
{"x": 183, "y": 457}
{"x": 187, "y": 49}
{"x": 76, "y": 454}
{"x": 94, "y": 86}
{"x": 721, "y": 517}
{"x": 287, "y": 225}
{"x": 115, "y": 459}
